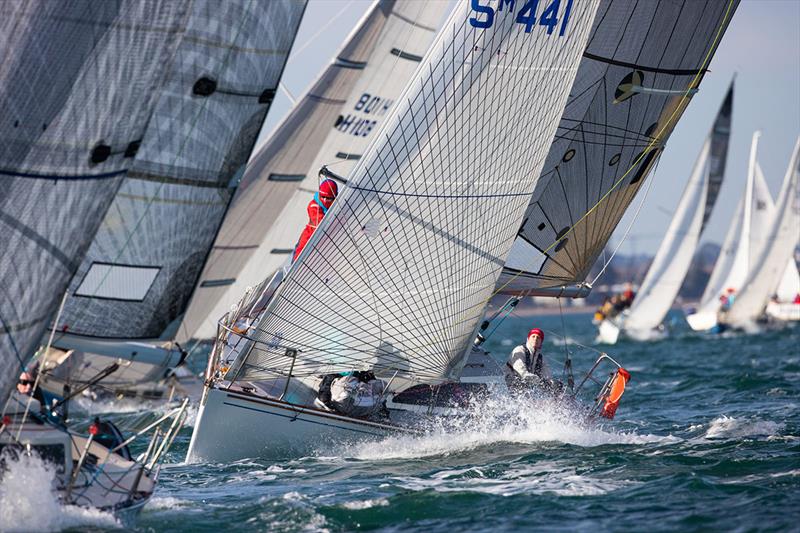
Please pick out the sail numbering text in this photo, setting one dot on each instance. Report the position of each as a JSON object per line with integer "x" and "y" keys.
{"x": 525, "y": 15}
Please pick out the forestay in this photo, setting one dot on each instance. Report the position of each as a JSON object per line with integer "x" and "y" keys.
{"x": 643, "y": 62}
{"x": 397, "y": 276}
{"x": 331, "y": 124}
{"x": 144, "y": 262}
{"x": 774, "y": 251}
{"x": 78, "y": 82}
{"x": 671, "y": 263}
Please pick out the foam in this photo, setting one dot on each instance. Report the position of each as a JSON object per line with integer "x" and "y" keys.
{"x": 359, "y": 505}
{"x": 724, "y": 427}
{"x": 28, "y": 501}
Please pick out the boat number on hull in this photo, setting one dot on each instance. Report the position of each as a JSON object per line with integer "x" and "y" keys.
{"x": 526, "y": 14}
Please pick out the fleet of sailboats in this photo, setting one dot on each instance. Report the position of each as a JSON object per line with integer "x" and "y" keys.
{"x": 486, "y": 148}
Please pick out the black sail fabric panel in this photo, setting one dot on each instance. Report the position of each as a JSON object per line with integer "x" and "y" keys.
{"x": 629, "y": 93}
{"x": 720, "y": 139}
{"x": 78, "y": 83}
{"x": 168, "y": 209}
{"x": 332, "y": 124}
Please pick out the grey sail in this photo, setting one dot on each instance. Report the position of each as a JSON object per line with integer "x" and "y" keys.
{"x": 332, "y": 124}
{"x": 141, "y": 268}
{"x": 78, "y": 84}
{"x": 398, "y": 274}
{"x": 643, "y": 62}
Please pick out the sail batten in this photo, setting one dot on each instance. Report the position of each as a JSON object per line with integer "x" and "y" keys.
{"x": 431, "y": 210}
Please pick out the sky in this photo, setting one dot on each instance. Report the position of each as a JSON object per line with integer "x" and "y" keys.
{"x": 761, "y": 47}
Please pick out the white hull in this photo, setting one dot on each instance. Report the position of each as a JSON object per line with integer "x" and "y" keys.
{"x": 787, "y": 312}
{"x": 235, "y": 425}
{"x": 702, "y": 321}
{"x": 608, "y": 332}
{"x": 646, "y": 335}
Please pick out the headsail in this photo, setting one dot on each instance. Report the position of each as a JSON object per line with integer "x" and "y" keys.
{"x": 78, "y": 82}
{"x": 333, "y": 122}
{"x": 774, "y": 251}
{"x": 671, "y": 263}
{"x": 143, "y": 264}
{"x": 398, "y": 274}
{"x": 643, "y": 62}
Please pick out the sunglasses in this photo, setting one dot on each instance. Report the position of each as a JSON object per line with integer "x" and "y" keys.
{"x": 25, "y": 382}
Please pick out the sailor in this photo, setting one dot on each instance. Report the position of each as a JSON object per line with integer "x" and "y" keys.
{"x": 526, "y": 364}
{"x": 25, "y": 386}
{"x": 726, "y": 300}
{"x": 358, "y": 393}
{"x": 317, "y": 208}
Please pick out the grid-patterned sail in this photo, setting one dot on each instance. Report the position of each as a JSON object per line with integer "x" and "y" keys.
{"x": 398, "y": 274}
{"x": 78, "y": 83}
{"x": 142, "y": 266}
{"x": 776, "y": 250}
{"x": 331, "y": 124}
{"x": 643, "y": 61}
{"x": 671, "y": 263}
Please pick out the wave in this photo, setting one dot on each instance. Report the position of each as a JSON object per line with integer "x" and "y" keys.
{"x": 724, "y": 427}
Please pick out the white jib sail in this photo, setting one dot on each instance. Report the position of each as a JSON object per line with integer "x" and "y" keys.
{"x": 776, "y": 250}
{"x": 669, "y": 267}
{"x": 742, "y": 243}
{"x": 398, "y": 274}
{"x": 333, "y": 123}
{"x": 789, "y": 287}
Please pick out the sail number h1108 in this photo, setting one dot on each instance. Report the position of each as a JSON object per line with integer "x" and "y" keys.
{"x": 525, "y": 15}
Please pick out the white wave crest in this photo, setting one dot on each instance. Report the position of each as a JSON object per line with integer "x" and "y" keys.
{"x": 359, "y": 505}
{"x": 28, "y": 501}
{"x": 724, "y": 427}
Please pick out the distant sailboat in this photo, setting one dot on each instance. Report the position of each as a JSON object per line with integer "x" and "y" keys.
{"x": 136, "y": 279}
{"x": 741, "y": 246}
{"x": 334, "y": 121}
{"x": 766, "y": 272}
{"x": 672, "y": 260}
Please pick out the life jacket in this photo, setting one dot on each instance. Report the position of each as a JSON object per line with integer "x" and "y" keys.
{"x": 537, "y": 364}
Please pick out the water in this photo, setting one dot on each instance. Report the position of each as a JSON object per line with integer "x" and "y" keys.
{"x": 707, "y": 437}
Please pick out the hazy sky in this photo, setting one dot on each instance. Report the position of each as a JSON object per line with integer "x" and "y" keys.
{"x": 762, "y": 46}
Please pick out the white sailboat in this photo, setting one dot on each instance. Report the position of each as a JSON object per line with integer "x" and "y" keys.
{"x": 742, "y": 243}
{"x": 332, "y": 123}
{"x": 133, "y": 284}
{"x": 396, "y": 278}
{"x": 643, "y": 320}
{"x": 775, "y": 251}
{"x": 785, "y": 307}
{"x": 76, "y": 104}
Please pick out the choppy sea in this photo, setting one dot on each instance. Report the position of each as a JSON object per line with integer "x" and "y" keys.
{"x": 707, "y": 437}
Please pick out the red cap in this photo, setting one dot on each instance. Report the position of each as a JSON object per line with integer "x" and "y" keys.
{"x": 328, "y": 188}
{"x": 536, "y": 331}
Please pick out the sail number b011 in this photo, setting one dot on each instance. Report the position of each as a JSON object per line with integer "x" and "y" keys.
{"x": 526, "y": 14}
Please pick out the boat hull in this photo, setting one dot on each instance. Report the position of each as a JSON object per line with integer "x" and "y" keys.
{"x": 787, "y": 312}
{"x": 702, "y": 321}
{"x": 608, "y": 332}
{"x": 232, "y": 425}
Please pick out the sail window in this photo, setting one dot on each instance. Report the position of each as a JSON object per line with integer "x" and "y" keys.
{"x": 286, "y": 177}
{"x": 629, "y": 86}
{"x": 405, "y": 55}
{"x": 342, "y": 155}
{"x": 204, "y": 87}
{"x": 117, "y": 282}
{"x": 614, "y": 160}
{"x": 568, "y": 155}
{"x": 649, "y": 132}
{"x": 267, "y": 96}
{"x": 100, "y": 153}
{"x": 541, "y": 226}
{"x": 132, "y": 148}
{"x": 644, "y": 165}
{"x": 218, "y": 282}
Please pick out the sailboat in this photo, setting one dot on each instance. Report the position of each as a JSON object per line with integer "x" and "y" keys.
{"x": 775, "y": 251}
{"x": 784, "y": 307}
{"x": 76, "y": 105}
{"x": 396, "y": 279}
{"x": 131, "y": 288}
{"x": 334, "y": 122}
{"x": 740, "y": 248}
{"x": 643, "y": 320}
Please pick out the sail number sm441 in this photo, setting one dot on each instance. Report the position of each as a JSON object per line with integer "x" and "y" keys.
{"x": 526, "y": 12}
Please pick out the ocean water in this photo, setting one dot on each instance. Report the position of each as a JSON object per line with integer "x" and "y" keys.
{"x": 707, "y": 437}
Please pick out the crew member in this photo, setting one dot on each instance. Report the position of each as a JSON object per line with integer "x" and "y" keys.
{"x": 317, "y": 208}
{"x": 527, "y": 363}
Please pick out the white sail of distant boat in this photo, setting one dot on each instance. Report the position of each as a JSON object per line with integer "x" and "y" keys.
{"x": 75, "y": 104}
{"x": 333, "y": 123}
{"x": 775, "y": 250}
{"x": 633, "y": 86}
{"x": 755, "y": 210}
{"x": 671, "y": 263}
{"x": 789, "y": 286}
{"x": 141, "y": 267}
{"x": 397, "y": 276}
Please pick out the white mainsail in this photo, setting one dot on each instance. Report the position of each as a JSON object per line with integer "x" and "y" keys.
{"x": 643, "y": 63}
{"x": 775, "y": 250}
{"x": 78, "y": 84}
{"x": 333, "y": 123}
{"x": 742, "y": 243}
{"x": 789, "y": 286}
{"x": 671, "y": 263}
{"x": 398, "y": 274}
